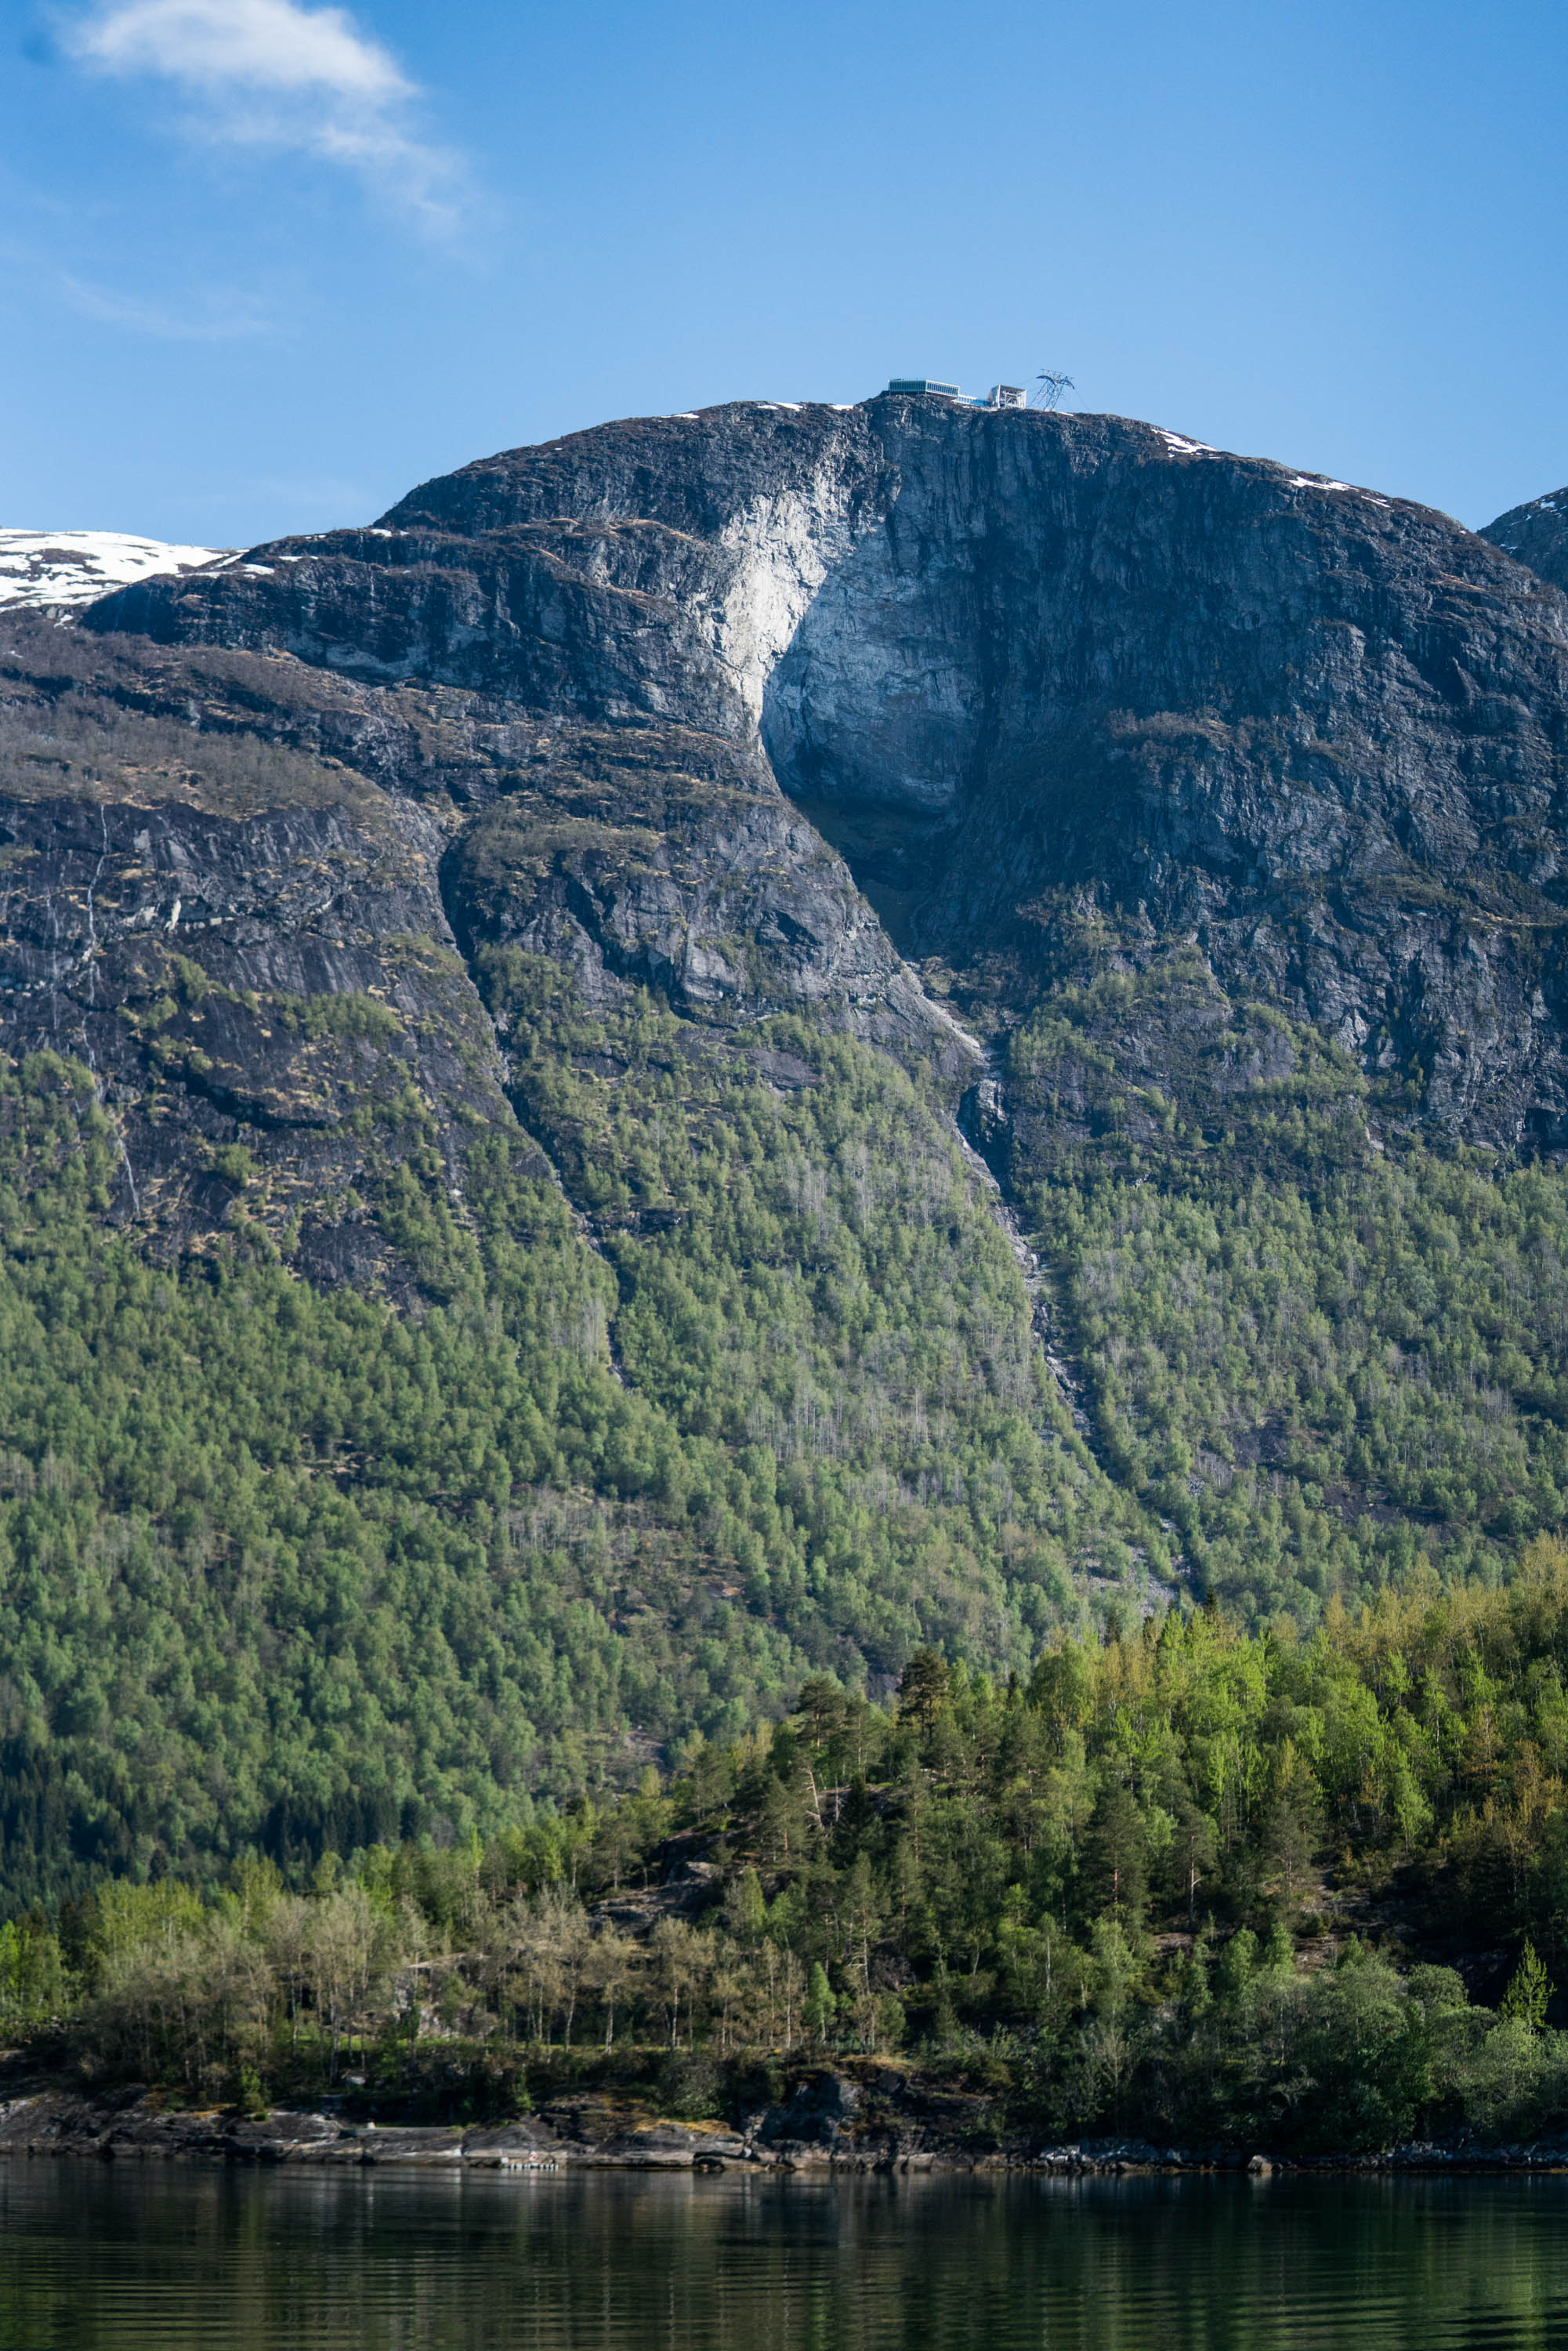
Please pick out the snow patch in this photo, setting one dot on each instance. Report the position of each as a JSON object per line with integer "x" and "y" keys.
{"x": 1322, "y": 482}
{"x": 1180, "y": 446}
{"x": 57, "y": 571}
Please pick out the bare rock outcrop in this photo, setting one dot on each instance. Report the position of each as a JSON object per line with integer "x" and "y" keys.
{"x": 1067, "y": 691}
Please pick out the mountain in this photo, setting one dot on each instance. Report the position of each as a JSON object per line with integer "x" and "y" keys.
{"x": 1021, "y": 667}
{"x": 739, "y": 1042}
{"x": 1536, "y": 533}
{"x": 57, "y": 571}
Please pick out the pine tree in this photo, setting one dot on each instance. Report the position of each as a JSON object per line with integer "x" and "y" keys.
{"x": 1524, "y": 2001}
{"x": 821, "y": 2007}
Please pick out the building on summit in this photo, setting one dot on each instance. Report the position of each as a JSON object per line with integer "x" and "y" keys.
{"x": 1000, "y": 395}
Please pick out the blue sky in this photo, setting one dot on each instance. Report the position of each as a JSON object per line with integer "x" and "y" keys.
{"x": 264, "y": 264}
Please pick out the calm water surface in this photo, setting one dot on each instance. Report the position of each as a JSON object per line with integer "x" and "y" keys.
{"x": 117, "y": 2256}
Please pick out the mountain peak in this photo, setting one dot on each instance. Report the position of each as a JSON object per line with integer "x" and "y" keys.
{"x": 1536, "y": 533}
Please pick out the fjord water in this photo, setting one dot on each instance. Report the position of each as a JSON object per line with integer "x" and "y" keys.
{"x": 107, "y": 2259}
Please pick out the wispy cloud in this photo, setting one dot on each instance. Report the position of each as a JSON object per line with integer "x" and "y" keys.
{"x": 268, "y": 73}
{"x": 205, "y": 318}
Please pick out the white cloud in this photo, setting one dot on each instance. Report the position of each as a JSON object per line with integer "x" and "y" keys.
{"x": 265, "y": 44}
{"x": 208, "y": 317}
{"x": 269, "y": 73}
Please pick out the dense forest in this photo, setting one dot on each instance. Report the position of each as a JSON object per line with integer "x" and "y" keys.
{"x": 1306, "y": 1890}
{"x": 295, "y": 1570}
{"x": 285, "y": 1566}
{"x": 1317, "y": 1347}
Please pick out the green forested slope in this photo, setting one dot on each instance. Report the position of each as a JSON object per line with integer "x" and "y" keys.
{"x": 1316, "y": 1339}
{"x": 809, "y": 1275}
{"x": 1308, "y": 1893}
{"x": 1319, "y": 1381}
{"x": 287, "y": 1566}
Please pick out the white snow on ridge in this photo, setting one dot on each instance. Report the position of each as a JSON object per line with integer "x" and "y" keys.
{"x": 1322, "y": 482}
{"x": 57, "y": 571}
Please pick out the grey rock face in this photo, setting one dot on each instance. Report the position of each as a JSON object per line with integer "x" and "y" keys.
{"x": 1067, "y": 691}
{"x": 243, "y": 888}
{"x": 666, "y": 860}
{"x": 1536, "y": 533}
{"x": 244, "y": 939}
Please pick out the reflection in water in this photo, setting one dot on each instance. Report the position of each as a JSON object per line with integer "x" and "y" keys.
{"x": 114, "y": 2257}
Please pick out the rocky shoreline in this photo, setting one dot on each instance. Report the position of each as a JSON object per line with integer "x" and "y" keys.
{"x": 829, "y": 2125}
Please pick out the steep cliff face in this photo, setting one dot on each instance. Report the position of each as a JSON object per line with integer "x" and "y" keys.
{"x": 240, "y": 934}
{"x": 486, "y": 1269}
{"x": 248, "y": 891}
{"x": 1064, "y": 689}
